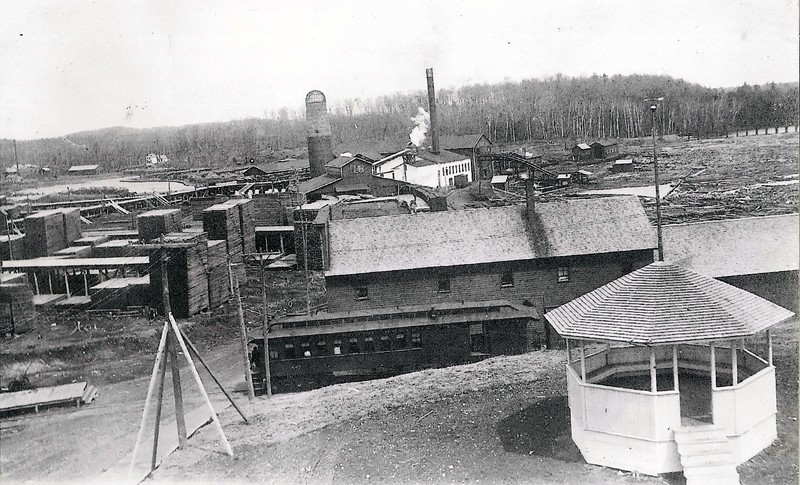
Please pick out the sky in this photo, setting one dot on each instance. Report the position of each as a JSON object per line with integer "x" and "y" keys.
{"x": 69, "y": 66}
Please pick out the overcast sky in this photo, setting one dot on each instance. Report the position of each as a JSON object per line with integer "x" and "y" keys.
{"x": 67, "y": 66}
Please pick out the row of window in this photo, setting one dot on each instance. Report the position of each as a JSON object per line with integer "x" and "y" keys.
{"x": 456, "y": 169}
{"x": 443, "y": 284}
{"x": 352, "y": 345}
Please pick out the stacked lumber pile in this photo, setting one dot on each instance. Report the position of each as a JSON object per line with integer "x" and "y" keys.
{"x": 91, "y": 240}
{"x": 48, "y": 231}
{"x": 9, "y": 212}
{"x": 16, "y": 307}
{"x": 153, "y": 224}
{"x": 116, "y": 248}
{"x": 12, "y": 246}
{"x": 120, "y": 293}
{"x": 232, "y": 221}
{"x": 186, "y": 270}
{"x": 75, "y": 252}
{"x": 217, "y": 274}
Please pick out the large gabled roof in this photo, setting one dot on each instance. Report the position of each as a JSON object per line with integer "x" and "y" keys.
{"x": 664, "y": 304}
{"x": 752, "y": 245}
{"x": 317, "y": 182}
{"x": 476, "y": 236}
{"x": 456, "y": 142}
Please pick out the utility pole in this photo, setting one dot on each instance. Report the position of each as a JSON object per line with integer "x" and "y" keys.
{"x": 248, "y": 375}
{"x": 16, "y": 160}
{"x": 171, "y": 347}
{"x": 265, "y": 329}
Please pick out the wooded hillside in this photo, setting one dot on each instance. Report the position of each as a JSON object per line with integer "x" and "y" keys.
{"x": 559, "y": 107}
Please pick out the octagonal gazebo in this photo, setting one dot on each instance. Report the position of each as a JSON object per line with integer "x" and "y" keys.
{"x": 666, "y": 378}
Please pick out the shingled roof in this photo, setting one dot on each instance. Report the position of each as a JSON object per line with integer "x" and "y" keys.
{"x": 477, "y": 236}
{"x": 752, "y": 245}
{"x": 665, "y": 304}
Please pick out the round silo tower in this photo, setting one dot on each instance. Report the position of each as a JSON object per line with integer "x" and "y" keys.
{"x": 318, "y": 131}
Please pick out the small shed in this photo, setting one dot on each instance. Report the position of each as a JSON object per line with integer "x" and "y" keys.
{"x": 622, "y": 166}
{"x": 581, "y": 152}
{"x": 499, "y": 182}
{"x": 583, "y": 176}
{"x": 564, "y": 179}
{"x": 604, "y": 149}
{"x": 83, "y": 170}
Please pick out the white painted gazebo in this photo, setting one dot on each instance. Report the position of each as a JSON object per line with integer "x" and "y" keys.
{"x": 665, "y": 378}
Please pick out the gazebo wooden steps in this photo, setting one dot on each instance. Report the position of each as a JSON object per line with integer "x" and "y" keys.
{"x": 706, "y": 455}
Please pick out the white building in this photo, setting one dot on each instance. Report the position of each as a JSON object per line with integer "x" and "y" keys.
{"x": 423, "y": 167}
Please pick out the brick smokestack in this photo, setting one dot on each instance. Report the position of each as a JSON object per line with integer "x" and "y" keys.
{"x": 318, "y": 133}
{"x": 432, "y": 111}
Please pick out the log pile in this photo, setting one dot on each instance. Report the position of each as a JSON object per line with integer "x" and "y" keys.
{"x": 232, "y": 221}
{"x": 12, "y": 246}
{"x": 48, "y": 231}
{"x": 17, "y": 313}
{"x": 217, "y": 274}
{"x": 153, "y": 224}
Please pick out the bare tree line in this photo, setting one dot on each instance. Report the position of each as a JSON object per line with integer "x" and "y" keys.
{"x": 557, "y": 108}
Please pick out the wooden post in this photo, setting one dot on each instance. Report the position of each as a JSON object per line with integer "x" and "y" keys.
{"x": 653, "y": 376}
{"x": 734, "y": 364}
{"x": 769, "y": 347}
{"x": 713, "y": 368}
{"x": 85, "y": 282}
{"x": 66, "y": 282}
{"x": 165, "y": 282}
{"x": 583, "y": 362}
{"x": 177, "y": 391}
{"x": 50, "y": 281}
{"x": 265, "y": 327}
{"x": 199, "y": 382}
{"x": 162, "y": 369}
{"x": 36, "y": 282}
{"x": 156, "y": 366}
{"x": 675, "y": 368}
{"x": 243, "y": 329}
{"x": 569, "y": 357}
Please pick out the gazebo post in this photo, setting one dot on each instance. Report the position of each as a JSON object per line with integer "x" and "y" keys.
{"x": 769, "y": 347}
{"x": 675, "y": 367}
{"x": 653, "y": 385}
{"x": 734, "y": 364}
{"x": 36, "y": 282}
{"x": 569, "y": 357}
{"x": 713, "y": 368}
{"x": 583, "y": 363}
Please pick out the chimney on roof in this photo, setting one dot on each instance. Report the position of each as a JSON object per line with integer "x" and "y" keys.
{"x": 432, "y": 111}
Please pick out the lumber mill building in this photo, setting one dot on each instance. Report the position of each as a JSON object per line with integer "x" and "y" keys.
{"x": 395, "y": 283}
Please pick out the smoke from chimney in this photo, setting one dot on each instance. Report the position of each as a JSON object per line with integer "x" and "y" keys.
{"x": 422, "y": 123}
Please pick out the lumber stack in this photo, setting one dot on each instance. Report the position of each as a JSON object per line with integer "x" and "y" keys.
{"x": 75, "y": 252}
{"x": 153, "y": 224}
{"x": 217, "y": 274}
{"x": 48, "y": 231}
{"x": 120, "y": 293}
{"x": 91, "y": 240}
{"x": 187, "y": 260}
{"x": 16, "y": 307}
{"x": 116, "y": 248}
{"x": 232, "y": 221}
{"x": 12, "y": 246}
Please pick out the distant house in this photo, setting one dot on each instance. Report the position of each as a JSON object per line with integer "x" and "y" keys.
{"x": 582, "y": 152}
{"x": 756, "y": 254}
{"x": 83, "y": 170}
{"x": 605, "y": 149}
{"x": 622, "y": 166}
{"x": 351, "y": 174}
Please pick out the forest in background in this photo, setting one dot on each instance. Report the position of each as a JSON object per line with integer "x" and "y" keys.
{"x": 556, "y": 108}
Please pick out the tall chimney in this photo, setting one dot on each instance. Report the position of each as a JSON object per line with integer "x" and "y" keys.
{"x": 318, "y": 133}
{"x": 432, "y": 111}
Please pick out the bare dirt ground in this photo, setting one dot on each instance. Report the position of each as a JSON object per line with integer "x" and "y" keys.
{"x": 503, "y": 420}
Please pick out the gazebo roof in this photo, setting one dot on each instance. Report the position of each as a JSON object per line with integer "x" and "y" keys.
{"x": 664, "y": 304}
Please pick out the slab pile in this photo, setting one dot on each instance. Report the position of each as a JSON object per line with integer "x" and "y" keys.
{"x": 50, "y": 230}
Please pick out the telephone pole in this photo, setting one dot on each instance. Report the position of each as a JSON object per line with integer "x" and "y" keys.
{"x": 265, "y": 329}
